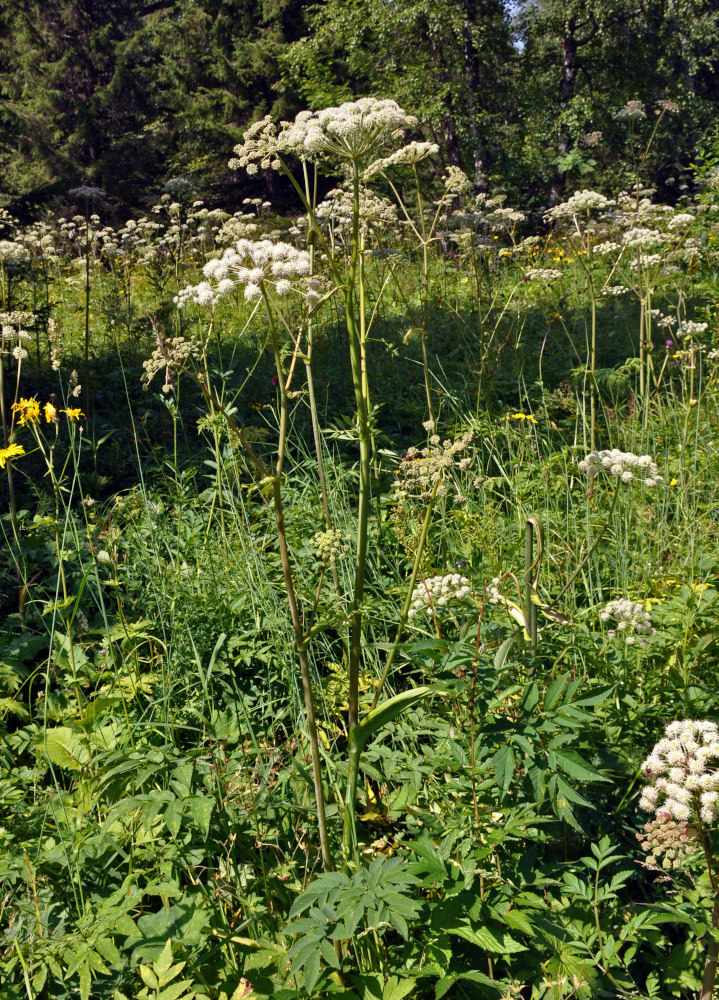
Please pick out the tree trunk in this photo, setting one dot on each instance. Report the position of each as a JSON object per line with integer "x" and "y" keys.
{"x": 472, "y": 78}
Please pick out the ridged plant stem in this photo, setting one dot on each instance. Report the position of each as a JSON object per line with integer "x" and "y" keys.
{"x": 300, "y": 637}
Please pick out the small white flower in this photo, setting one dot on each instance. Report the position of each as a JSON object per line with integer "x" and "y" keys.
{"x": 438, "y": 591}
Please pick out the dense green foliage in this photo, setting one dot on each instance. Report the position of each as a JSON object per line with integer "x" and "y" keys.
{"x": 229, "y": 770}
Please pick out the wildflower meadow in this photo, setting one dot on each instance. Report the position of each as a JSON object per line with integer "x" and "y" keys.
{"x": 359, "y": 609}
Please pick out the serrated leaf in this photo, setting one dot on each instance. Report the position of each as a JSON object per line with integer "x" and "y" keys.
{"x": 108, "y": 950}
{"x": 10, "y": 705}
{"x": 554, "y": 693}
{"x": 597, "y": 698}
{"x": 164, "y": 960}
{"x": 443, "y": 986}
{"x": 530, "y": 699}
{"x": 569, "y": 793}
{"x": 518, "y": 921}
{"x": 504, "y": 765}
{"x": 311, "y": 971}
{"x": 63, "y": 747}
{"x": 177, "y": 990}
{"x": 576, "y": 767}
{"x": 480, "y": 936}
{"x": 148, "y": 977}
{"x": 329, "y": 954}
{"x": 396, "y": 989}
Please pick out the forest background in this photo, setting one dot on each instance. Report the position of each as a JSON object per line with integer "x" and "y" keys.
{"x": 124, "y": 94}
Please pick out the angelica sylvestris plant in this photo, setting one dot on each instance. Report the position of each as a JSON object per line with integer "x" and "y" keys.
{"x": 351, "y": 135}
{"x": 269, "y": 271}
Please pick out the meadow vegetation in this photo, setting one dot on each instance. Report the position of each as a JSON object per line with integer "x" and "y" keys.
{"x": 360, "y": 614}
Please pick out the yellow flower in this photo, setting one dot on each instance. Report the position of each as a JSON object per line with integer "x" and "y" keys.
{"x": 29, "y": 411}
{"x": 521, "y": 416}
{"x": 674, "y": 481}
{"x": 74, "y": 414}
{"x": 50, "y": 412}
{"x": 12, "y": 451}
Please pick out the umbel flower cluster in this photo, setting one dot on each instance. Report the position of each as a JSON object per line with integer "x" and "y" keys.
{"x": 625, "y": 465}
{"x": 338, "y": 207}
{"x": 438, "y": 591}
{"x": 633, "y": 622}
{"x": 679, "y": 773}
{"x": 248, "y": 263}
{"x": 350, "y": 132}
{"x": 666, "y": 843}
{"x": 423, "y": 469}
{"x": 329, "y": 545}
{"x": 581, "y": 203}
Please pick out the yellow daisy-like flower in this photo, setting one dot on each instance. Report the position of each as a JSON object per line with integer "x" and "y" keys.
{"x": 74, "y": 414}
{"x": 12, "y": 451}
{"x": 28, "y": 410}
{"x": 522, "y": 416}
{"x": 50, "y": 412}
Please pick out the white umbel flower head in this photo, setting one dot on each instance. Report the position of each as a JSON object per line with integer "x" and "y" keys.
{"x": 249, "y": 263}
{"x": 351, "y": 131}
{"x": 411, "y": 154}
{"x": 625, "y": 465}
{"x": 437, "y": 592}
{"x": 581, "y": 203}
{"x": 680, "y": 778}
{"x": 632, "y": 621}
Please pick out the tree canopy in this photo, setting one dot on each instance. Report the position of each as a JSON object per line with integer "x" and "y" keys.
{"x": 126, "y": 93}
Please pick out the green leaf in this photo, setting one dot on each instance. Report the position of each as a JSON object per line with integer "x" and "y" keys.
{"x": 529, "y": 700}
{"x": 554, "y": 693}
{"x": 63, "y": 747}
{"x": 576, "y": 767}
{"x": 504, "y": 766}
{"x": 382, "y": 715}
{"x": 597, "y": 698}
{"x": 201, "y": 810}
{"x": 177, "y": 990}
{"x": 329, "y": 954}
{"x": 500, "y": 657}
{"x": 10, "y": 705}
{"x": 311, "y": 971}
{"x": 444, "y": 985}
{"x": 108, "y": 950}
{"x": 85, "y": 981}
{"x": 164, "y": 960}
{"x": 182, "y": 922}
{"x": 148, "y": 977}
{"x": 480, "y": 936}
{"x": 396, "y": 989}
{"x": 569, "y": 793}
{"x": 173, "y": 815}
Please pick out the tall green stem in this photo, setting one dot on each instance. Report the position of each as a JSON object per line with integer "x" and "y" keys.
{"x": 292, "y": 600}
{"x": 357, "y": 334}
{"x": 425, "y": 297}
{"x": 316, "y": 434}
